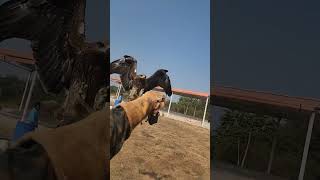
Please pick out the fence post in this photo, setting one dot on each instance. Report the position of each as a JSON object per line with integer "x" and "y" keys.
{"x": 205, "y": 111}
{"x": 170, "y": 104}
{"x": 25, "y": 91}
{"x": 29, "y": 95}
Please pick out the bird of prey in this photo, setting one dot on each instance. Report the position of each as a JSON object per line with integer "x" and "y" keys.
{"x": 126, "y": 67}
{"x": 64, "y": 59}
{"x": 142, "y": 84}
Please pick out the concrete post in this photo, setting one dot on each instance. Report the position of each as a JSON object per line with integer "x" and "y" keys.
{"x": 170, "y": 104}
{"x": 205, "y": 111}
{"x": 29, "y": 95}
{"x": 25, "y": 91}
{"x": 306, "y": 146}
{"x": 42, "y": 84}
{"x": 273, "y": 148}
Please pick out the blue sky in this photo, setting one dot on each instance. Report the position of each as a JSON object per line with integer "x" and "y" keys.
{"x": 168, "y": 34}
{"x": 268, "y": 46}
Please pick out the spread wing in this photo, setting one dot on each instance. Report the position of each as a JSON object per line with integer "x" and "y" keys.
{"x": 55, "y": 29}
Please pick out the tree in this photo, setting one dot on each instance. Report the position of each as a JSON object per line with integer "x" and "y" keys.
{"x": 196, "y": 102}
{"x": 238, "y": 125}
{"x": 185, "y": 103}
{"x": 270, "y": 139}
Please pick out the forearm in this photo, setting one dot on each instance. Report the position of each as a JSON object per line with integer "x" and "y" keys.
{"x": 119, "y": 130}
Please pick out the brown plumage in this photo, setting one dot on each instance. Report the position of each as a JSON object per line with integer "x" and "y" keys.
{"x": 64, "y": 59}
{"x": 142, "y": 84}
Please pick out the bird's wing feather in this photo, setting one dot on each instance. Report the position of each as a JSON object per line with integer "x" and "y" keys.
{"x": 56, "y": 30}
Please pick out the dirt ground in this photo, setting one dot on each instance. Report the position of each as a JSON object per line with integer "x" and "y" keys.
{"x": 236, "y": 174}
{"x": 167, "y": 150}
{"x": 227, "y": 175}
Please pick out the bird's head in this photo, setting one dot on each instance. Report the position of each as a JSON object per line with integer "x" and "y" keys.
{"x": 163, "y": 80}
